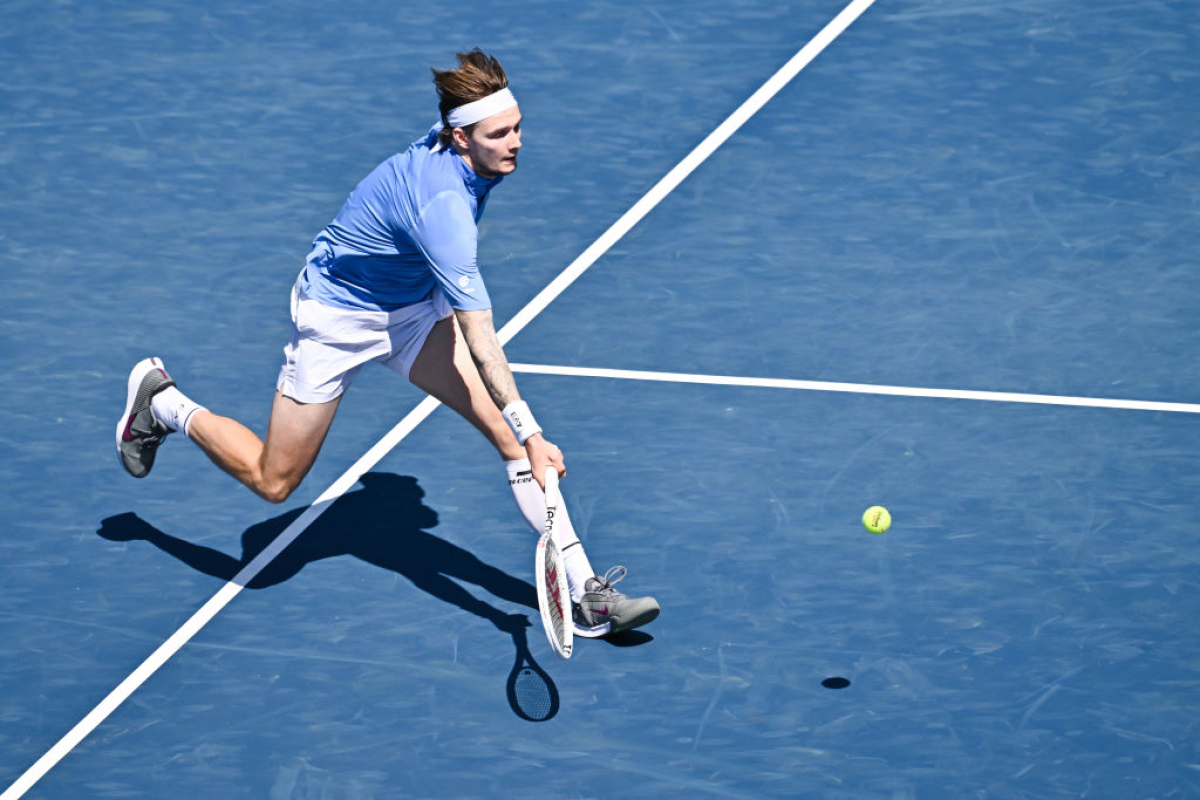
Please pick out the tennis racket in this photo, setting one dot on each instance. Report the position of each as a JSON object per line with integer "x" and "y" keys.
{"x": 554, "y": 599}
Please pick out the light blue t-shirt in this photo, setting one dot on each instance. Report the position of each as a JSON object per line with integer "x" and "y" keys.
{"x": 407, "y": 227}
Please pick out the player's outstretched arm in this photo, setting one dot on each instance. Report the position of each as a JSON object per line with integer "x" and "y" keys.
{"x": 480, "y": 334}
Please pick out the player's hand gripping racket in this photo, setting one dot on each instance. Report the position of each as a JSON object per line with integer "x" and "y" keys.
{"x": 554, "y": 599}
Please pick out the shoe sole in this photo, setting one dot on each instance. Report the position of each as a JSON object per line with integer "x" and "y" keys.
{"x": 593, "y": 632}
{"x": 136, "y": 376}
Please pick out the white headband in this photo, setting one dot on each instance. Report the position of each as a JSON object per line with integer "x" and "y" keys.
{"x": 489, "y": 106}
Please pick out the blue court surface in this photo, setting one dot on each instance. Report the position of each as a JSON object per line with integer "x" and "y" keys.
{"x": 971, "y": 197}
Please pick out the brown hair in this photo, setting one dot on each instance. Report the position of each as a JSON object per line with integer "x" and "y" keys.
{"x": 477, "y": 76}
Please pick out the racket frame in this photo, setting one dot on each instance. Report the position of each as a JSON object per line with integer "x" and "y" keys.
{"x": 554, "y": 597}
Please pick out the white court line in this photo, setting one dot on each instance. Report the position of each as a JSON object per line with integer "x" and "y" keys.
{"x": 217, "y": 602}
{"x": 858, "y": 388}
{"x": 556, "y": 287}
{"x": 684, "y": 168}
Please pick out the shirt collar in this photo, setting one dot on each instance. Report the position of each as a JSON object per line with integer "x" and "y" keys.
{"x": 477, "y": 185}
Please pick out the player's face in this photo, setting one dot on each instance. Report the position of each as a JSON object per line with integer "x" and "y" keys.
{"x": 491, "y": 147}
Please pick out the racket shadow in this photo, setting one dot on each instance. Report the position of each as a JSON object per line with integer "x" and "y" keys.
{"x": 531, "y": 693}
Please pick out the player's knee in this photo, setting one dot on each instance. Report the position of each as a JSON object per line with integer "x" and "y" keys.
{"x": 275, "y": 494}
{"x": 276, "y": 497}
{"x": 277, "y": 490}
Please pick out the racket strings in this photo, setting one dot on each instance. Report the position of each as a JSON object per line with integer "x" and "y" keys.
{"x": 557, "y": 612}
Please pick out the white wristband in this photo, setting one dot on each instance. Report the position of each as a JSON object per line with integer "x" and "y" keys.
{"x": 520, "y": 419}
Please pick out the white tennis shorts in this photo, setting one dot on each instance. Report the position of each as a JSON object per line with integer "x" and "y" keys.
{"x": 329, "y": 345}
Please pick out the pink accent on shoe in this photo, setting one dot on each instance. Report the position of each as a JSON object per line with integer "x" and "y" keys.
{"x": 128, "y": 434}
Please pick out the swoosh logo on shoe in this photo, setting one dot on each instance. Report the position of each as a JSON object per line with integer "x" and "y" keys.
{"x": 128, "y": 435}
{"x": 601, "y": 611}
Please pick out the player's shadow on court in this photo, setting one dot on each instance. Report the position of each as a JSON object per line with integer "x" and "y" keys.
{"x": 383, "y": 524}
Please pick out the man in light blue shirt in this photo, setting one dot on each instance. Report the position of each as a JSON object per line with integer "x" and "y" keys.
{"x": 409, "y": 226}
{"x": 394, "y": 278}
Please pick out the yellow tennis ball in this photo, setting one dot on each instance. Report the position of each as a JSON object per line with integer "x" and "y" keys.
{"x": 876, "y": 519}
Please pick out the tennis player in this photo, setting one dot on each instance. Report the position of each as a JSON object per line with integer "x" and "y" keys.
{"x": 394, "y": 279}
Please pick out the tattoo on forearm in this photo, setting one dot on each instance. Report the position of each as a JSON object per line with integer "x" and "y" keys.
{"x": 480, "y": 334}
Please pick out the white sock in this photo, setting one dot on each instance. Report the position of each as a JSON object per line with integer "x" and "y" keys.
{"x": 532, "y": 502}
{"x": 174, "y": 409}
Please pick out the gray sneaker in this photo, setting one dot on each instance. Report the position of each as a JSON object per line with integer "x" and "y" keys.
{"x": 603, "y": 609}
{"x": 139, "y": 433}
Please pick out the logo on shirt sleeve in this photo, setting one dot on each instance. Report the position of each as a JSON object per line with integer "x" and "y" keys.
{"x": 464, "y": 283}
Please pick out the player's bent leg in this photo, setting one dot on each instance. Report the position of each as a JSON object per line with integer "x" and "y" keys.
{"x": 295, "y": 436}
{"x": 531, "y": 500}
{"x": 444, "y": 369}
{"x": 274, "y": 468}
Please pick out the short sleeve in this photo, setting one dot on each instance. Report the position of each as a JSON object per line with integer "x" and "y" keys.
{"x": 447, "y": 236}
